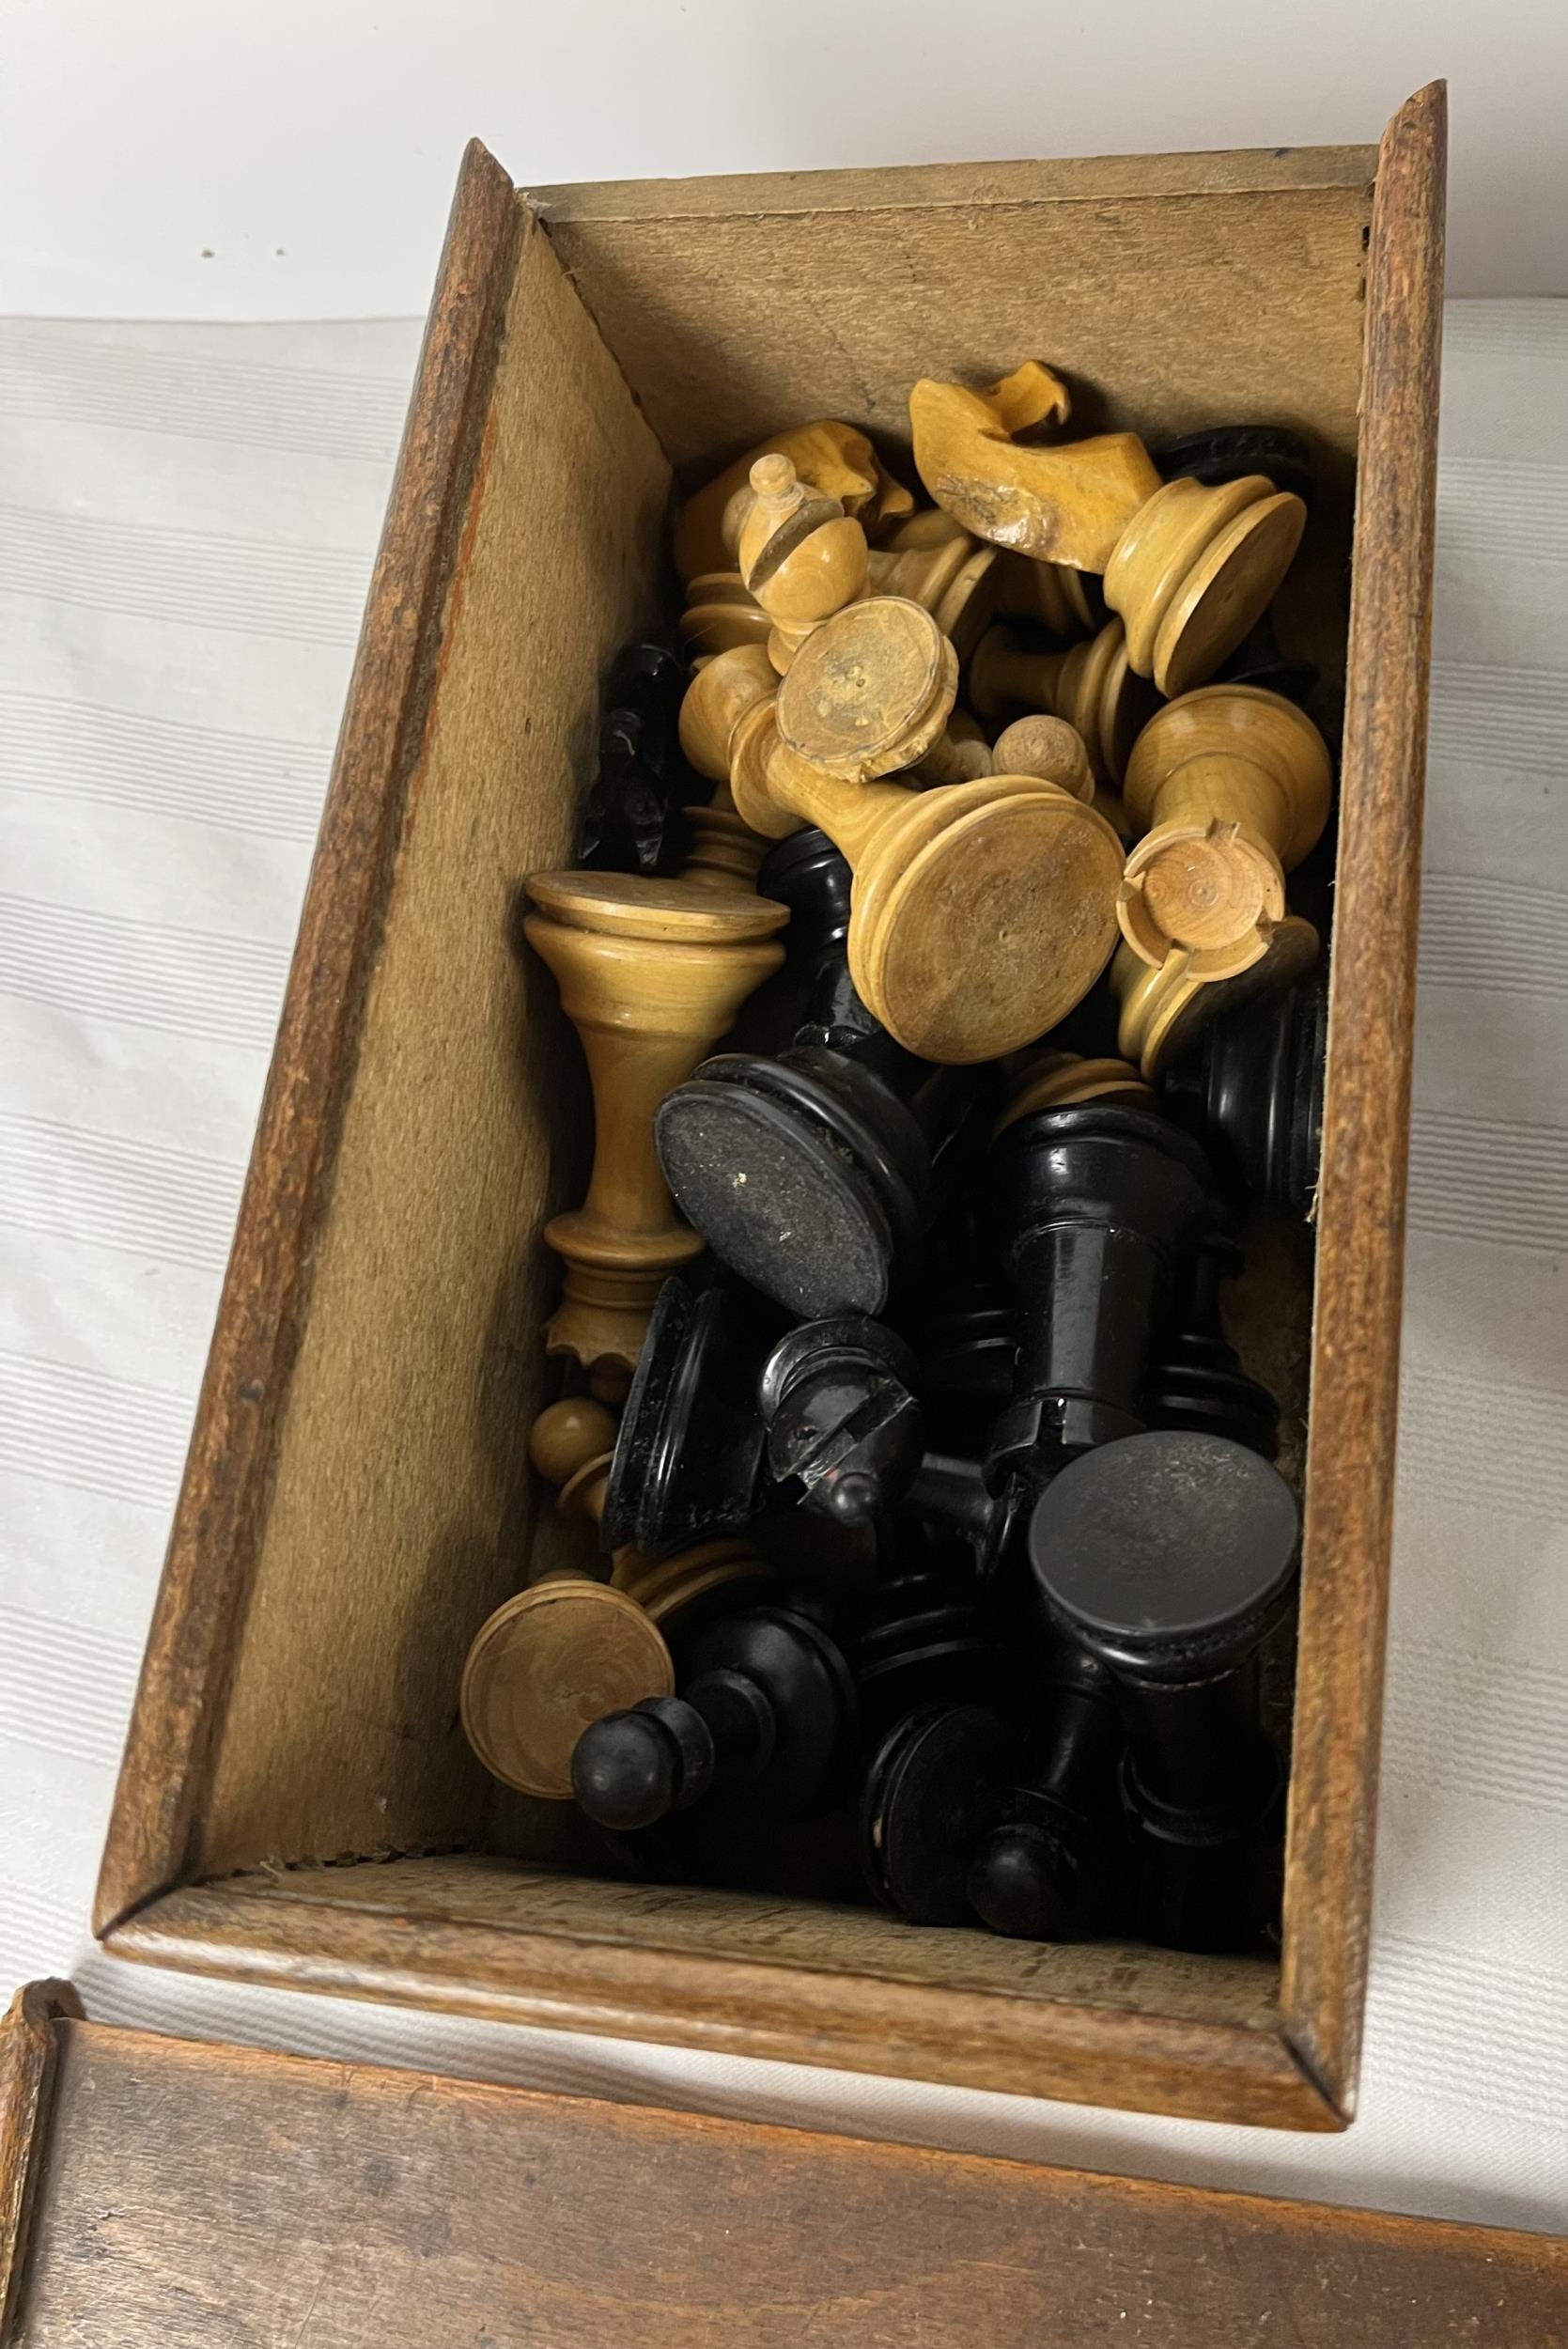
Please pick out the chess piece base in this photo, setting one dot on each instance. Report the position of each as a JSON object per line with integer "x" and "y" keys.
{"x": 548, "y": 1663}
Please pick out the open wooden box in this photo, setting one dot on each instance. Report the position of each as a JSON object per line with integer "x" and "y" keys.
{"x": 298, "y": 1804}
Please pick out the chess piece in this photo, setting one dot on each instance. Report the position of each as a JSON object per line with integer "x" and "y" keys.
{"x": 720, "y": 613}
{"x": 1163, "y": 1008}
{"x": 808, "y": 1173}
{"x": 960, "y": 1319}
{"x": 1095, "y": 1201}
{"x": 1049, "y": 750}
{"x": 1169, "y": 1556}
{"x": 1229, "y": 452}
{"x": 946, "y": 571}
{"x": 571, "y": 1444}
{"x": 935, "y": 1790}
{"x": 728, "y": 1417}
{"x": 766, "y": 1716}
{"x": 642, "y": 774}
{"x": 1060, "y": 502}
{"x": 951, "y": 1506}
{"x": 834, "y": 459}
{"x": 1252, "y": 1086}
{"x": 978, "y": 911}
{"x": 1046, "y": 1079}
{"x": 1093, "y": 686}
{"x": 548, "y": 1663}
{"x": 801, "y": 555}
{"x": 1052, "y": 1866}
{"x": 1190, "y": 566}
{"x": 1230, "y": 789}
{"x": 651, "y": 975}
{"x": 1194, "y": 1379}
{"x": 927, "y": 1633}
{"x": 1056, "y": 598}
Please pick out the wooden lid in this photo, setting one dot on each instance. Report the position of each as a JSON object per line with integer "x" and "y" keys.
{"x": 178, "y": 2192}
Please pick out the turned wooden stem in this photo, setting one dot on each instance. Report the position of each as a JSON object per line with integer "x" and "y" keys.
{"x": 651, "y": 975}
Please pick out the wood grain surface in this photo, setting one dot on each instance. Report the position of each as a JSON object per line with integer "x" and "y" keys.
{"x": 1361, "y": 1221}
{"x": 29, "y": 2050}
{"x": 210, "y": 1566}
{"x": 198, "y": 2195}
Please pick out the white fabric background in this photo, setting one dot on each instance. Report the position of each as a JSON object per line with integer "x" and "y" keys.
{"x": 187, "y": 519}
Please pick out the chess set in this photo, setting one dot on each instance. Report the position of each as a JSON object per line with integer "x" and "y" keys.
{"x": 924, "y": 1538}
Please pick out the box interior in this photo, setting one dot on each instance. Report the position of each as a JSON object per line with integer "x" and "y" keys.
{"x": 652, "y": 333}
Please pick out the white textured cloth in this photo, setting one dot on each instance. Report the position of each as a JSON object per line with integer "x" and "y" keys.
{"x": 187, "y": 519}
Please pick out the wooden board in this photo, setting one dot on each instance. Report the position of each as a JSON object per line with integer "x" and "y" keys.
{"x": 201, "y": 2195}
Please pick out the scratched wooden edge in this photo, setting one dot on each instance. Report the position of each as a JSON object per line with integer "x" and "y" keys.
{"x": 1355, "y": 1375}
{"x": 1069, "y": 2052}
{"x": 1514, "y": 2250}
{"x": 216, "y": 1528}
{"x": 1088, "y": 180}
{"x": 29, "y": 2050}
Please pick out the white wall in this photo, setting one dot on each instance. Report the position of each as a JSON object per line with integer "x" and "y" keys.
{"x": 293, "y": 158}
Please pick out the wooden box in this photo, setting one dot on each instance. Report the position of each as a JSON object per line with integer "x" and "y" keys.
{"x": 297, "y": 1803}
{"x": 155, "y": 2193}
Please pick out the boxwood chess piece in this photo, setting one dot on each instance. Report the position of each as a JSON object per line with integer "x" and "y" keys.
{"x": 979, "y": 910}
{"x": 1093, "y": 685}
{"x": 808, "y": 1173}
{"x": 766, "y": 1716}
{"x": 1093, "y": 1202}
{"x": 1189, "y": 566}
{"x": 1230, "y": 789}
{"x": 1252, "y": 1086}
{"x": 1162, "y": 1008}
{"x": 1169, "y": 1556}
{"x": 651, "y": 975}
{"x": 1053, "y": 1865}
{"x": 1195, "y": 1378}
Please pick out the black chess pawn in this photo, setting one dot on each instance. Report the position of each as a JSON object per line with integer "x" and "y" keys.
{"x": 631, "y": 821}
{"x": 934, "y": 1792}
{"x": 730, "y": 1413}
{"x": 808, "y": 1174}
{"x": 764, "y": 1723}
{"x": 1093, "y": 1201}
{"x": 1229, "y": 452}
{"x": 1053, "y": 1865}
{"x": 1169, "y": 1556}
{"x": 1251, "y": 1088}
{"x": 1195, "y": 1378}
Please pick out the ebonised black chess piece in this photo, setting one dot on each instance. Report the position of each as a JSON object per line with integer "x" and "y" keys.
{"x": 730, "y": 1413}
{"x": 1229, "y": 452}
{"x": 1053, "y": 1866}
{"x": 960, "y": 1318}
{"x": 766, "y": 1716}
{"x": 631, "y": 822}
{"x": 1195, "y": 1378}
{"x": 928, "y": 1633}
{"x": 1251, "y": 1088}
{"x": 934, "y": 1791}
{"x": 955, "y": 1513}
{"x": 1093, "y": 1201}
{"x": 1259, "y": 660}
{"x": 808, "y": 1174}
{"x": 1169, "y": 1556}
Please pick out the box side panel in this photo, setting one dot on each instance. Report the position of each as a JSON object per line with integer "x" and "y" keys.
{"x": 738, "y": 1976}
{"x": 398, "y": 1513}
{"x": 1168, "y": 311}
{"x": 1355, "y": 1400}
{"x": 267, "y": 1291}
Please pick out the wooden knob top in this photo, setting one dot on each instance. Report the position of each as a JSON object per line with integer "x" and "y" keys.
{"x": 548, "y": 1663}
{"x": 834, "y": 459}
{"x": 627, "y": 905}
{"x": 568, "y": 1435}
{"x": 1049, "y": 750}
{"x": 870, "y": 689}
